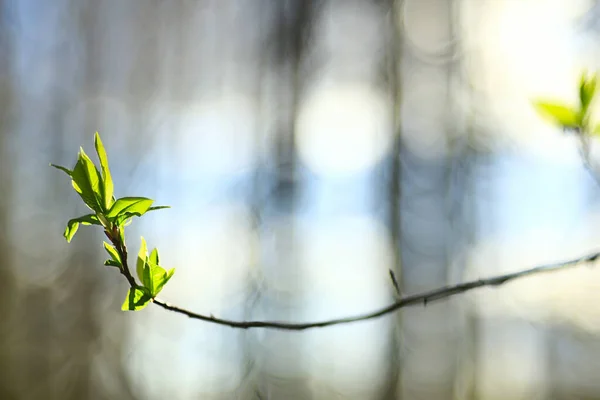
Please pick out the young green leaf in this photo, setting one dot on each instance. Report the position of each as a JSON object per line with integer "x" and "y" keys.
{"x": 73, "y": 225}
{"x": 130, "y": 206}
{"x": 587, "y": 89}
{"x": 161, "y": 281}
{"x": 113, "y": 263}
{"x": 152, "y": 276}
{"x": 83, "y": 186}
{"x": 94, "y": 178}
{"x": 114, "y": 254}
{"x": 137, "y": 298}
{"x": 107, "y": 182}
{"x": 65, "y": 170}
{"x": 560, "y": 114}
{"x": 141, "y": 260}
{"x": 125, "y": 218}
{"x": 158, "y": 208}
{"x": 154, "y": 257}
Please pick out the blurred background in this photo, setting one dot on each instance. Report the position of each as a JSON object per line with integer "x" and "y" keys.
{"x": 306, "y": 148}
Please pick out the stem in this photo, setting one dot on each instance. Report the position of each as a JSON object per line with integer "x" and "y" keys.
{"x": 421, "y": 298}
{"x": 121, "y": 248}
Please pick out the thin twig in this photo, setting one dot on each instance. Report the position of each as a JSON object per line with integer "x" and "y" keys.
{"x": 421, "y": 298}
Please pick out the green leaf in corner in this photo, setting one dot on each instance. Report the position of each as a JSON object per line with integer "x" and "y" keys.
{"x": 130, "y": 206}
{"x": 560, "y": 114}
{"x": 587, "y": 89}
{"x": 73, "y": 225}
{"x": 107, "y": 182}
{"x": 137, "y": 298}
{"x": 114, "y": 255}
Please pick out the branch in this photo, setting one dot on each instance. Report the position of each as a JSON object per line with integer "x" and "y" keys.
{"x": 421, "y": 298}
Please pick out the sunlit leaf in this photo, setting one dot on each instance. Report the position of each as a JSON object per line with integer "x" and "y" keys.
{"x": 137, "y": 298}
{"x": 81, "y": 183}
{"x": 154, "y": 259}
{"x": 587, "y": 89}
{"x": 158, "y": 208}
{"x": 65, "y": 170}
{"x": 107, "y": 182}
{"x": 141, "y": 260}
{"x": 130, "y": 206}
{"x": 73, "y": 225}
{"x": 560, "y": 114}
{"x": 161, "y": 281}
{"x": 112, "y": 263}
{"x": 94, "y": 178}
{"x": 113, "y": 253}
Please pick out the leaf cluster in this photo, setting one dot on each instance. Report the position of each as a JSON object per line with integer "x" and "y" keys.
{"x": 96, "y": 189}
{"x": 573, "y": 118}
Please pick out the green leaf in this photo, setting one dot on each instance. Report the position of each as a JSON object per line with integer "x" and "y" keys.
{"x": 73, "y": 225}
{"x": 154, "y": 257}
{"x": 158, "y": 208}
{"x": 65, "y": 170}
{"x": 107, "y": 182}
{"x": 137, "y": 298}
{"x": 113, "y": 253}
{"x": 596, "y": 130}
{"x": 125, "y": 218}
{"x": 81, "y": 182}
{"x": 152, "y": 276}
{"x": 161, "y": 281}
{"x": 130, "y": 206}
{"x": 156, "y": 278}
{"x": 560, "y": 114}
{"x": 587, "y": 89}
{"x": 112, "y": 263}
{"x": 141, "y": 260}
{"x": 94, "y": 178}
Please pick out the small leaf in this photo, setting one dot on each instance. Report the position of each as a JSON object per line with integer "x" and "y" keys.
{"x": 131, "y": 206}
{"x": 81, "y": 184}
{"x": 154, "y": 257}
{"x": 73, "y": 225}
{"x": 587, "y": 89}
{"x": 137, "y": 298}
{"x": 141, "y": 260}
{"x": 112, "y": 263}
{"x": 562, "y": 115}
{"x": 158, "y": 208}
{"x": 162, "y": 281}
{"x": 94, "y": 178}
{"x": 113, "y": 253}
{"x": 107, "y": 181}
{"x": 65, "y": 170}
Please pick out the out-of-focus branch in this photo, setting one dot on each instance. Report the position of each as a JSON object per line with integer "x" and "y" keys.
{"x": 421, "y": 298}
